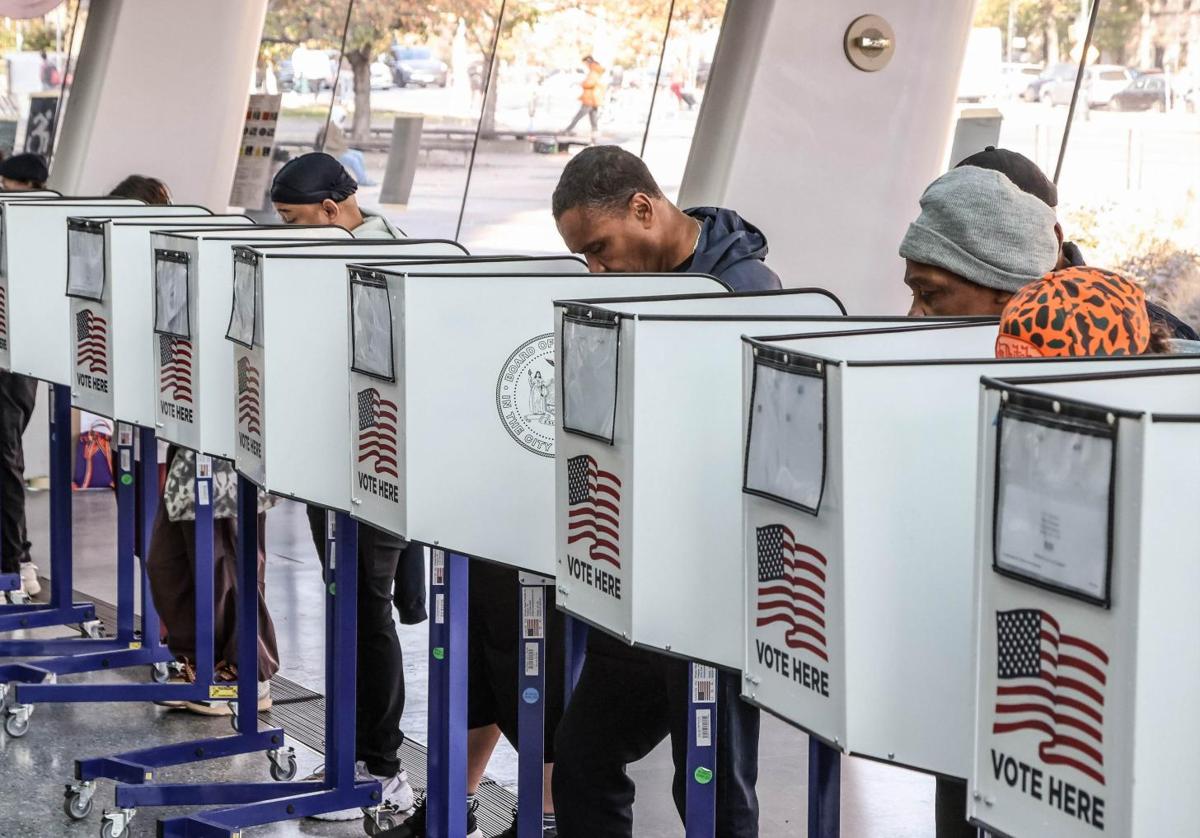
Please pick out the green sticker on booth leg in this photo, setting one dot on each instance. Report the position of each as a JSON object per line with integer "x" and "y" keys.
{"x": 126, "y": 479}
{"x": 333, "y": 588}
{"x": 703, "y": 775}
{"x": 439, "y": 653}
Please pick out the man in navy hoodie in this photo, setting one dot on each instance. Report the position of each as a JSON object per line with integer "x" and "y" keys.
{"x": 610, "y": 210}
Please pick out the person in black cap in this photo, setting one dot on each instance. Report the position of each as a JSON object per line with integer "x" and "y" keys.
{"x": 1029, "y": 178}
{"x": 316, "y": 189}
{"x": 23, "y": 172}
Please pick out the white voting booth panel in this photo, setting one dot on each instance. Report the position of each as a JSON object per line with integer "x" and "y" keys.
{"x": 111, "y": 289}
{"x": 1087, "y": 583}
{"x": 858, "y": 502}
{"x": 193, "y": 286}
{"x": 279, "y": 293}
{"x": 35, "y": 277}
{"x": 455, "y": 417}
{"x": 646, "y": 545}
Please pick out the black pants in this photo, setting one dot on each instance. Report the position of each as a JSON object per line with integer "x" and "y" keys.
{"x": 950, "y": 809}
{"x": 495, "y": 658}
{"x": 17, "y": 395}
{"x": 626, "y": 702}
{"x": 379, "y": 700}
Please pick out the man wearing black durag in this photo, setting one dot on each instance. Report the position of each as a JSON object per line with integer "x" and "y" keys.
{"x": 315, "y": 189}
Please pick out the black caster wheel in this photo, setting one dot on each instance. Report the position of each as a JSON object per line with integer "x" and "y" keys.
{"x": 16, "y": 725}
{"x": 283, "y": 768}
{"x": 109, "y": 830}
{"x": 76, "y": 807}
{"x": 379, "y": 823}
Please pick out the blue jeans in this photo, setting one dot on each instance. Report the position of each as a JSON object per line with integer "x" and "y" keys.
{"x": 352, "y": 159}
{"x": 627, "y": 701}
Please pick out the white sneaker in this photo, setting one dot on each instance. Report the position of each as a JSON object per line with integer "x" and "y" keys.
{"x": 397, "y": 793}
{"x": 30, "y": 583}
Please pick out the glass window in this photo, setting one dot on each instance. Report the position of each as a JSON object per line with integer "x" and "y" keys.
{"x": 547, "y": 102}
{"x": 38, "y": 70}
{"x": 1128, "y": 176}
{"x": 454, "y": 116}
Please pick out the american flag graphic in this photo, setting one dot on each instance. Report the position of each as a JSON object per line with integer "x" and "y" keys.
{"x": 1052, "y": 683}
{"x": 791, "y": 589}
{"x": 91, "y": 342}
{"x": 594, "y": 509}
{"x": 377, "y": 431}
{"x": 175, "y": 367}
{"x": 248, "y": 396}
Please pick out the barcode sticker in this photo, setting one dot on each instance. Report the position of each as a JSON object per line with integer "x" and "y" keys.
{"x": 531, "y": 660}
{"x": 439, "y": 608}
{"x": 533, "y": 613}
{"x": 704, "y": 684}
{"x": 126, "y": 465}
{"x": 437, "y": 564}
{"x": 704, "y": 728}
{"x": 202, "y": 494}
{"x": 203, "y": 466}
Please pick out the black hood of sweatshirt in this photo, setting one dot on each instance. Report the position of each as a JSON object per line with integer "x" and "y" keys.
{"x": 731, "y": 249}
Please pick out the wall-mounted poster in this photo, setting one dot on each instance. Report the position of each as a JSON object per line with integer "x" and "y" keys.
{"x": 254, "y": 154}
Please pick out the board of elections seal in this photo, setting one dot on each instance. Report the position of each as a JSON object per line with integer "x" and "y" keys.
{"x": 525, "y": 395}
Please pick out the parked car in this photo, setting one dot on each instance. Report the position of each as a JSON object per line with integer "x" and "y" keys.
{"x": 1101, "y": 82}
{"x": 1053, "y": 73}
{"x": 381, "y": 75}
{"x": 418, "y": 65}
{"x": 1016, "y": 78}
{"x": 1144, "y": 93}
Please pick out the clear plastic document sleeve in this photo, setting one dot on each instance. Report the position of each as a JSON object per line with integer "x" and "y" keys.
{"x": 242, "y": 317}
{"x": 171, "y": 293}
{"x": 785, "y": 448}
{"x": 589, "y": 356}
{"x": 1054, "y": 503}
{"x": 85, "y": 261}
{"x": 371, "y": 316}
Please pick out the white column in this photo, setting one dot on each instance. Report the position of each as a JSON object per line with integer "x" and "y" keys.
{"x": 160, "y": 89}
{"x": 827, "y": 160}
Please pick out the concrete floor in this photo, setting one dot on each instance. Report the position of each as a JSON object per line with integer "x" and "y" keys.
{"x": 877, "y": 800}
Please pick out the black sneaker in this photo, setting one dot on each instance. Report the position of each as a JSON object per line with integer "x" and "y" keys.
{"x": 511, "y": 832}
{"x": 414, "y": 827}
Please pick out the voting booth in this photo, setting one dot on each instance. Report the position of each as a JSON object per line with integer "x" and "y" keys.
{"x": 647, "y": 462}
{"x": 453, "y": 400}
{"x": 33, "y": 308}
{"x": 858, "y": 485}
{"x": 1088, "y": 672}
{"x": 111, "y": 290}
{"x": 287, "y": 326}
{"x": 193, "y": 287}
